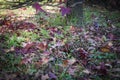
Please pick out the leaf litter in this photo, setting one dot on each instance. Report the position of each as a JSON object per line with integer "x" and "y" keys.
{"x": 71, "y": 53}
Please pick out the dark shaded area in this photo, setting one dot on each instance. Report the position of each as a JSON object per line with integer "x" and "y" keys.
{"x": 108, "y": 4}
{"x": 76, "y": 10}
{"x": 77, "y": 7}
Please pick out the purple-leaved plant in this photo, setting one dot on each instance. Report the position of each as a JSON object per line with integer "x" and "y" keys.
{"x": 38, "y": 8}
{"x": 64, "y": 11}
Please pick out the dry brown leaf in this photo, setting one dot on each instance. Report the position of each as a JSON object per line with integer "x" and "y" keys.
{"x": 69, "y": 62}
{"x": 42, "y": 46}
{"x": 105, "y": 49}
{"x": 38, "y": 64}
{"x": 27, "y": 47}
{"x": 45, "y": 60}
{"x": 65, "y": 63}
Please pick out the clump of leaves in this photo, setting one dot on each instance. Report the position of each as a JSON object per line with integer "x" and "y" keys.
{"x": 14, "y": 40}
{"x": 29, "y": 35}
{"x": 44, "y": 33}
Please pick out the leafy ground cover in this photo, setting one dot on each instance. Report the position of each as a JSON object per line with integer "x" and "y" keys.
{"x": 44, "y": 46}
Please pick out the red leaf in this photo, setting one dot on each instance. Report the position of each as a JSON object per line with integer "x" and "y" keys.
{"x": 24, "y": 8}
{"x": 60, "y": 1}
{"x": 42, "y": 46}
{"x": 25, "y": 61}
{"x": 27, "y": 47}
{"x": 83, "y": 53}
{"x": 65, "y": 63}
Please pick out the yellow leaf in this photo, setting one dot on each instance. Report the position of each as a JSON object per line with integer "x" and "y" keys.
{"x": 105, "y": 49}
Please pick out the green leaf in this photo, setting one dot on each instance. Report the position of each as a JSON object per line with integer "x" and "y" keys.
{"x": 45, "y": 33}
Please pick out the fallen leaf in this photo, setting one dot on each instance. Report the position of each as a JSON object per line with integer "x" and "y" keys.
{"x": 38, "y": 64}
{"x": 45, "y": 60}
{"x": 72, "y": 29}
{"x": 65, "y": 63}
{"x": 45, "y": 77}
{"x": 24, "y": 8}
{"x": 86, "y": 71}
{"x": 104, "y": 38}
{"x": 42, "y": 46}
{"x": 111, "y": 36}
{"x": 46, "y": 53}
{"x": 71, "y": 61}
{"x": 104, "y": 49}
{"x": 110, "y": 44}
{"x": 71, "y": 71}
{"x": 25, "y": 60}
{"x": 52, "y": 76}
{"x": 27, "y": 47}
{"x": 58, "y": 44}
{"x": 83, "y": 54}
{"x": 27, "y": 39}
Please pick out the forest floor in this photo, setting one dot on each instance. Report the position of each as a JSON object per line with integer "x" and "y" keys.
{"x": 45, "y": 47}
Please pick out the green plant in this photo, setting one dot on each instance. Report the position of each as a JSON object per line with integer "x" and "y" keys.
{"x": 44, "y": 33}
{"x": 10, "y": 62}
{"x": 100, "y": 56}
{"x": 41, "y": 18}
{"x": 14, "y": 40}
{"x": 66, "y": 77}
{"x": 3, "y": 39}
{"x": 31, "y": 35}
{"x": 71, "y": 20}
{"x": 57, "y": 20}
{"x": 92, "y": 14}
{"x": 31, "y": 69}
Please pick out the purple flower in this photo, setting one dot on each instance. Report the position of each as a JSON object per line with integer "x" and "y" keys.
{"x": 64, "y": 11}
{"x": 38, "y": 8}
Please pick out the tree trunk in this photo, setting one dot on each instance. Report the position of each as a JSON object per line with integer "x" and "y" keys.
{"x": 76, "y": 10}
